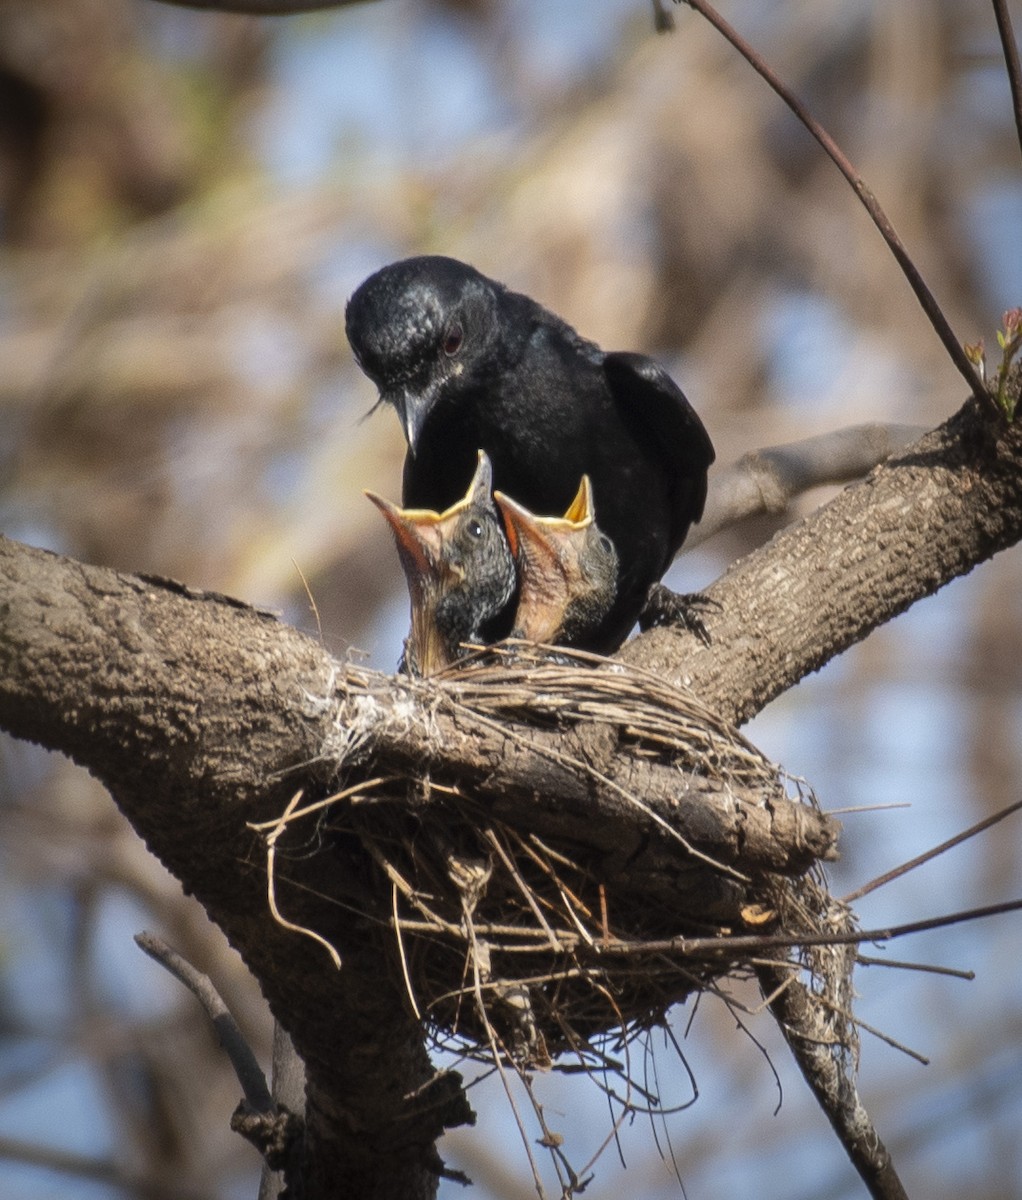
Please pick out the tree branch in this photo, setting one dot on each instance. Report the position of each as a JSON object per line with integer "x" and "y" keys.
{"x": 764, "y": 482}
{"x": 243, "y": 1060}
{"x": 927, "y": 301}
{"x": 263, "y": 8}
{"x": 1011, "y": 61}
{"x": 932, "y": 512}
{"x": 929, "y": 514}
{"x": 198, "y": 714}
{"x": 804, "y": 1026}
{"x": 99, "y": 1170}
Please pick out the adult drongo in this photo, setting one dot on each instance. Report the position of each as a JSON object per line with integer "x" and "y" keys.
{"x": 467, "y": 363}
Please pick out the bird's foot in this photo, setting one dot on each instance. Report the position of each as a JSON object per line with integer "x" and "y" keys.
{"x": 664, "y": 607}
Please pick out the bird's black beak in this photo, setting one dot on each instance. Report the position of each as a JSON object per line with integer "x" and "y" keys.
{"x": 411, "y": 408}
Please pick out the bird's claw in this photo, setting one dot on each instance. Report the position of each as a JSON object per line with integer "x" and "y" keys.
{"x": 664, "y": 607}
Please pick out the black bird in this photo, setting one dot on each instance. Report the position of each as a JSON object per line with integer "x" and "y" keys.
{"x": 567, "y": 571}
{"x": 459, "y": 570}
{"x": 468, "y": 363}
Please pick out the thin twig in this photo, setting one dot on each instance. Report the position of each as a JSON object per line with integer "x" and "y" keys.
{"x": 243, "y": 1060}
{"x": 868, "y": 960}
{"x": 725, "y": 947}
{"x": 401, "y": 953}
{"x": 527, "y": 893}
{"x": 872, "y": 1029}
{"x": 271, "y": 882}
{"x": 295, "y": 814}
{"x": 897, "y": 872}
{"x": 1011, "y": 62}
{"x": 410, "y": 894}
{"x": 568, "y": 898}
{"x": 495, "y": 1051}
{"x": 933, "y": 311}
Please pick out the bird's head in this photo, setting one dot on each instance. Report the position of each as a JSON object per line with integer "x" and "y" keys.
{"x": 458, "y": 566}
{"x": 418, "y": 328}
{"x": 567, "y": 569}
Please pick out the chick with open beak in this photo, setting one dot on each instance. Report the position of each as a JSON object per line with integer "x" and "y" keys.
{"x": 567, "y": 571}
{"x": 459, "y": 569}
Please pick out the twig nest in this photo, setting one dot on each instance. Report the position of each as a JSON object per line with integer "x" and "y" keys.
{"x": 563, "y": 846}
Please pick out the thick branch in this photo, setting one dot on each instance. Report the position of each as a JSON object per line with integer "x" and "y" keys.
{"x": 202, "y": 716}
{"x": 196, "y": 713}
{"x": 929, "y": 514}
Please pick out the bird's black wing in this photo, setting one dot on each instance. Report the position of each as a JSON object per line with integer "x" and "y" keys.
{"x": 661, "y": 418}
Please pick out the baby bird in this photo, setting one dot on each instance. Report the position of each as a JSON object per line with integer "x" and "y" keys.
{"x": 567, "y": 571}
{"x": 459, "y": 570}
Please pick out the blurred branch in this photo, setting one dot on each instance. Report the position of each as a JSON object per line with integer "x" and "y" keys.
{"x": 951, "y": 343}
{"x": 263, "y": 8}
{"x": 98, "y": 1170}
{"x": 663, "y": 20}
{"x": 935, "y": 852}
{"x": 766, "y": 481}
{"x": 1011, "y": 62}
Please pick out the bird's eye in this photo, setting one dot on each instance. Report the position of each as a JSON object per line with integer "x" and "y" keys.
{"x": 606, "y": 545}
{"x": 453, "y": 338}
{"x": 475, "y": 530}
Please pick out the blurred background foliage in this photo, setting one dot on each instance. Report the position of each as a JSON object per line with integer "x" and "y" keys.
{"x": 187, "y": 199}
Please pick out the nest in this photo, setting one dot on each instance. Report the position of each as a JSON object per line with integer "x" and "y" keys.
{"x": 519, "y": 939}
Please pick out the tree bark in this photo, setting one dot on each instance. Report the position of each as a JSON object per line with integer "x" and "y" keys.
{"x": 195, "y": 712}
{"x": 930, "y": 513}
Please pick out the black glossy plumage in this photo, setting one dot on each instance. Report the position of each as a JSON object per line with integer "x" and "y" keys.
{"x": 469, "y": 364}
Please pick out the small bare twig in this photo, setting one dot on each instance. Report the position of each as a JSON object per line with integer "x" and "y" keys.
{"x": 724, "y": 947}
{"x": 897, "y": 872}
{"x": 928, "y": 302}
{"x": 868, "y": 960}
{"x": 527, "y": 893}
{"x": 243, "y": 1060}
{"x": 1011, "y": 61}
{"x": 274, "y": 1130}
{"x": 262, "y": 8}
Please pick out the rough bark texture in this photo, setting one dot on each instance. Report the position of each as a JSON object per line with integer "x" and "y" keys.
{"x": 805, "y": 1028}
{"x": 195, "y": 713}
{"x": 201, "y": 715}
{"x": 930, "y": 513}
